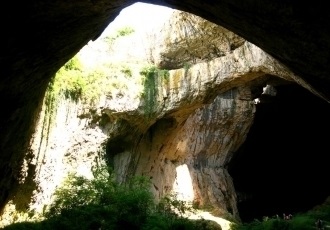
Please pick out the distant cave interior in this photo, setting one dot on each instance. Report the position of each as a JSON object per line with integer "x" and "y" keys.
{"x": 282, "y": 166}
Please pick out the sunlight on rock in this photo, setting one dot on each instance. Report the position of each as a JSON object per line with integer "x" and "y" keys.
{"x": 140, "y": 17}
{"x": 183, "y": 188}
{"x": 183, "y": 185}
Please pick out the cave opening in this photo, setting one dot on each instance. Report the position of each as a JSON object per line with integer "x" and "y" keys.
{"x": 282, "y": 167}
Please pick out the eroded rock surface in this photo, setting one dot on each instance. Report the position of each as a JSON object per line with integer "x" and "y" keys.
{"x": 295, "y": 33}
{"x": 188, "y": 39}
{"x": 181, "y": 132}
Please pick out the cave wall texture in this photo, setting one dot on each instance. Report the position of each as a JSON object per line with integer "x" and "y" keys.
{"x": 38, "y": 37}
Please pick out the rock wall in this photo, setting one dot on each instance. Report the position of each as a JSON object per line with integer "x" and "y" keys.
{"x": 62, "y": 143}
{"x": 190, "y": 157}
{"x": 181, "y": 132}
{"x": 295, "y": 33}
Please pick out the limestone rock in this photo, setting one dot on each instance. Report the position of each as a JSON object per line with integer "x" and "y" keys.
{"x": 58, "y": 29}
{"x": 191, "y": 158}
{"x": 188, "y": 39}
{"x": 183, "y": 129}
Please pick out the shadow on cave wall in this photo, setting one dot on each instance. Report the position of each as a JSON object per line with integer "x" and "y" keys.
{"x": 282, "y": 167}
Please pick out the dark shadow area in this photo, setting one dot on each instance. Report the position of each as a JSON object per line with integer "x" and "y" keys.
{"x": 116, "y": 146}
{"x": 282, "y": 167}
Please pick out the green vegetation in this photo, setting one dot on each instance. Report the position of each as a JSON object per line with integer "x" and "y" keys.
{"x": 299, "y": 221}
{"x": 101, "y": 203}
{"x": 67, "y": 82}
{"x": 150, "y": 90}
{"x": 112, "y": 80}
{"x": 76, "y": 83}
{"x": 126, "y": 71}
{"x": 152, "y": 75}
{"x": 164, "y": 74}
{"x": 186, "y": 67}
{"x": 125, "y": 31}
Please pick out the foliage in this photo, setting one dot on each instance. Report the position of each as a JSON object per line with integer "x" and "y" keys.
{"x": 74, "y": 83}
{"x": 299, "y": 221}
{"x": 78, "y": 84}
{"x": 152, "y": 71}
{"x": 125, "y": 31}
{"x": 165, "y": 74}
{"x": 151, "y": 77}
{"x": 82, "y": 203}
{"x": 150, "y": 90}
{"x": 127, "y": 71}
{"x": 171, "y": 204}
{"x": 67, "y": 82}
{"x": 148, "y": 71}
{"x": 73, "y": 64}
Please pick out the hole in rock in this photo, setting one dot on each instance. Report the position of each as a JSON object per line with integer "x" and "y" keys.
{"x": 282, "y": 167}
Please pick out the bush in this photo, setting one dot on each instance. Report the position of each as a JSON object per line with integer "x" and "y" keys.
{"x": 101, "y": 201}
{"x": 301, "y": 221}
{"x": 84, "y": 204}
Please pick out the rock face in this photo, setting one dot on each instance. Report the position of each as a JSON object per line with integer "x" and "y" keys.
{"x": 190, "y": 159}
{"x": 181, "y": 132}
{"x": 295, "y": 33}
{"x": 188, "y": 39}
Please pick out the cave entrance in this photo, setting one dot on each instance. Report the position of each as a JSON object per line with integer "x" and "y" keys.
{"x": 282, "y": 167}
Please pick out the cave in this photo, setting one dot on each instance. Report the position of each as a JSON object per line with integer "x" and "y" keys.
{"x": 272, "y": 169}
{"x": 282, "y": 166}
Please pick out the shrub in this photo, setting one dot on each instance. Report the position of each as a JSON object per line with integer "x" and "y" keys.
{"x": 101, "y": 202}
{"x": 152, "y": 79}
{"x": 125, "y": 31}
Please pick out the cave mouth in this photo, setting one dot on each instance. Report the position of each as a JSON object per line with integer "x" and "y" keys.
{"x": 282, "y": 167}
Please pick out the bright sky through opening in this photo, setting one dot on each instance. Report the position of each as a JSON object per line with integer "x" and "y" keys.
{"x": 140, "y": 16}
